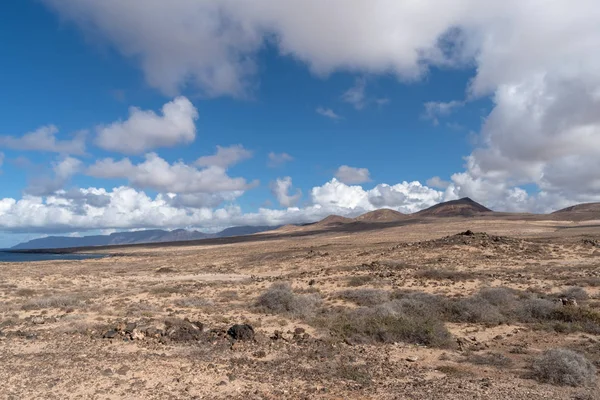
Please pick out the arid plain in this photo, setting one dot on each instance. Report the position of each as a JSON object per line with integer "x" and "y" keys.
{"x": 383, "y": 307}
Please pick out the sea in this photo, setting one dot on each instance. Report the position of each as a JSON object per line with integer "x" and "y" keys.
{"x": 28, "y": 257}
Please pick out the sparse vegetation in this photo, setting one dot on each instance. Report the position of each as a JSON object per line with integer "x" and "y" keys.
{"x": 437, "y": 274}
{"x": 576, "y": 293}
{"x": 59, "y": 301}
{"x": 493, "y": 359}
{"x": 364, "y": 297}
{"x": 359, "y": 280}
{"x": 564, "y": 367}
{"x": 394, "y": 321}
{"x": 193, "y": 302}
{"x": 280, "y": 299}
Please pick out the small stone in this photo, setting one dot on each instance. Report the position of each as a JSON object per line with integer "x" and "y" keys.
{"x": 412, "y": 358}
{"x": 130, "y": 327}
{"x": 38, "y": 320}
{"x": 123, "y": 370}
{"x": 299, "y": 331}
{"x": 110, "y": 334}
{"x": 241, "y": 332}
{"x": 137, "y": 335}
{"x": 260, "y": 354}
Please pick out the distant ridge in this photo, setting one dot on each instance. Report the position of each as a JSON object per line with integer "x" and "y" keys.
{"x": 333, "y": 220}
{"x": 137, "y": 237}
{"x": 581, "y": 208}
{"x": 464, "y": 207}
{"x": 381, "y": 215}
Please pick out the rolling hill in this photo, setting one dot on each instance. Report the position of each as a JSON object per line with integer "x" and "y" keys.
{"x": 464, "y": 207}
{"x": 381, "y": 215}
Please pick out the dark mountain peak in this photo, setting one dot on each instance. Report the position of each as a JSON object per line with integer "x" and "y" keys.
{"x": 461, "y": 207}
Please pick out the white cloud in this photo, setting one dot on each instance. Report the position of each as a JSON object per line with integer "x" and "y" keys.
{"x": 539, "y": 60}
{"x": 281, "y": 188}
{"x": 357, "y": 97}
{"x": 437, "y": 182}
{"x": 407, "y": 197}
{"x": 126, "y": 208}
{"x": 62, "y": 171}
{"x": 327, "y": 112}
{"x": 356, "y": 94}
{"x": 44, "y": 139}
{"x": 351, "y": 175}
{"x": 278, "y": 159}
{"x": 382, "y": 101}
{"x": 1, "y": 158}
{"x": 225, "y": 157}
{"x": 145, "y": 130}
{"x": 156, "y": 173}
{"x": 434, "y": 109}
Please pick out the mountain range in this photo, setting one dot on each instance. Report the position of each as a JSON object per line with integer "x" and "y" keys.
{"x": 464, "y": 207}
{"x": 146, "y": 236}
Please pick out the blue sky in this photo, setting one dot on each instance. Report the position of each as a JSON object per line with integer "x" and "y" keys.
{"x": 390, "y": 114}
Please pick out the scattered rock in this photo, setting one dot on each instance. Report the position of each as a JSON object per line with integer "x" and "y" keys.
{"x": 241, "y": 332}
{"x": 412, "y": 358}
{"x": 311, "y": 282}
{"x": 129, "y": 327}
{"x": 38, "y": 320}
{"x": 154, "y": 332}
{"x": 137, "y": 335}
{"x": 183, "y": 330}
{"x": 570, "y": 302}
{"x": 123, "y": 370}
{"x": 165, "y": 270}
{"x": 259, "y": 354}
{"x": 299, "y": 331}
{"x": 111, "y": 334}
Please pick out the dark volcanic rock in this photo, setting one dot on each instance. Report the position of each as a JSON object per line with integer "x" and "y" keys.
{"x": 183, "y": 330}
{"x": 241, "y": 332}
{"x": 110, "y": 334}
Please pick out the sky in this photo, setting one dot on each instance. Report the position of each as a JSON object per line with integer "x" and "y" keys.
{"x": 205, "y": 114}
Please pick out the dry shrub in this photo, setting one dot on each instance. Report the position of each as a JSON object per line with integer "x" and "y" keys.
{"x": 586, "y": 281}
{"x": 61, "y": 301}
{"x": 564, "y": 367}
{"x": 494, "y": 359}
{"x": 435, "y": 274}
{"x": 576, "y": 293}
{"x": 359, "y": 280}
{"x": 192, "y": 302}
{"x": 280, "y": 299}
{"x": 476, "y": 309}
{"x": 391, "y": 322}
{"x": 364, "y": 297}
{"x": 25, "y": 292}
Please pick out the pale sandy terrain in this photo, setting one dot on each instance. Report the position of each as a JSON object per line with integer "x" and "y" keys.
{"x": 54, "y": 316}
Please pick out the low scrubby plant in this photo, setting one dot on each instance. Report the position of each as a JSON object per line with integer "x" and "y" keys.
{"x": 364, "y": 297}
{"x": 281, "y": 299}
{"x": 576, "y": 293}
{"x": 391, "y": 322}
{"x": 563, "y": 367}
{"x": 359, "y": 280}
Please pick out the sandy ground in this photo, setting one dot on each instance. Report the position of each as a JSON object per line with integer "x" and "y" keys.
{"x": 151, "y": 323}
